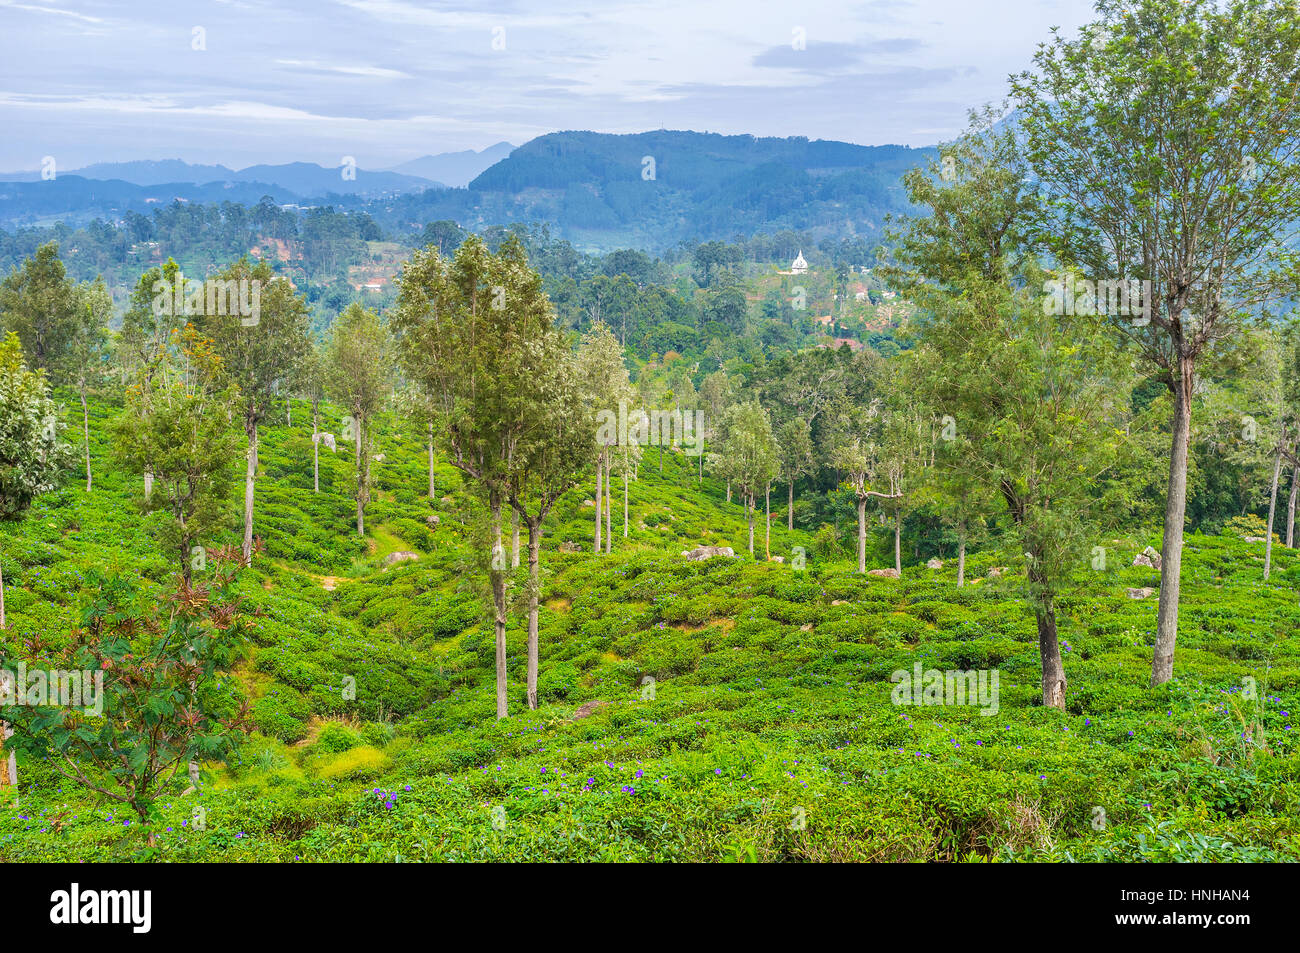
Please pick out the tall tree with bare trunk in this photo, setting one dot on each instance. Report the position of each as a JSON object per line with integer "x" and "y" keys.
{"x": 1163, "y": 138}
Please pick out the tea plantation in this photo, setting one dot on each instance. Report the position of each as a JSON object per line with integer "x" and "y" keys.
{"x": 725, "y": 709}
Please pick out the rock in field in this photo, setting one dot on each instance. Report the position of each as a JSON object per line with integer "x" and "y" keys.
{"x": 1142, "y": 593}
{"x": 890, "y": 573}
{"x": 934, "y": 564}
{"x": 704, "y": 552}
{"x": 1148, "y": 557}
{"x": 400, "y": 556}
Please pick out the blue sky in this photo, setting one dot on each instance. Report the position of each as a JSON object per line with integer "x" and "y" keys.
{"x": 389, "y": 80}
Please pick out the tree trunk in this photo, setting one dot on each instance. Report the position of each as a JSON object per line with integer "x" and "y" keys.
{"x": 626, "y": 478}
{"x": 363, "y": 477}
{"x": 148, "y": 484}
{"x": 789, "y": 513}
{"x": 728, "y": 491}
{"x": 12, "y": 775}
{"x": 600, "y": 501}
{"x": 749, "y": 516}
{"x": 862, "y": 535}
{"x": 898, "y": 537}
{"x": 767, "y": 518}
{"x": 250, "y": 474}
{"x": 1049, "y": 648}
{"x": 609, "y": 505}
{"x": 1050, "y": 651}
{"x": 961, "y": 556}
{"x": 1171, "y": 550}
{"x": 498, "y": 580}
{"x": 534, "y": 594}
{"x": 1290, "y": 506}
{"x": 315, "y": 453}
{"x": 700, "y": 480}
{"x": 514, "y": 540}
{"x": 1272, "y": 504}
{"x": 85, "y": 423}
{"x": 431, "y": 492}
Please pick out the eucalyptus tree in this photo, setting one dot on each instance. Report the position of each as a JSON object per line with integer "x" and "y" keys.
{"x": 1163, "y": 139}
{"x": 746, "y": 454}
{"x": 183, "y": 429}
{"x": 553, "y": 448}
{"x": 605, "y": 383}
{"x": 359, "y": 376}
{"x": 472, "y": 332}
{"x": 40, "y": 304}
{"x": 795, "y": 452}
{"x": 1037, "y": 397}
{"x": 260, "y": 349}
{"x": 88, "y": 352}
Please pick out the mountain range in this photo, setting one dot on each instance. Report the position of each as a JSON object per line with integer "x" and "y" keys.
{"x": 649, "y": 190}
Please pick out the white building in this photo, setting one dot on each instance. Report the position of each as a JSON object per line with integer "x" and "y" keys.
{"x": 799, "y": 266}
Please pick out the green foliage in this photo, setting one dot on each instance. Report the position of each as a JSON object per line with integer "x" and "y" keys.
{"x": 142, "y": 689}
{"x": 31, "y": 453}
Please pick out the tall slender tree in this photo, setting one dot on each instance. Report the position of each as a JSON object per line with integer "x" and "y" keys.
{"x": 1163, "y": 138}
{"x": 1037, "y": 397}
{"x": 359, "y": 375}
{"x": 260, "y": 351}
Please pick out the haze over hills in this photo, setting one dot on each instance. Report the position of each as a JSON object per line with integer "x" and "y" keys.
{"x": 455, "y": 169}
{"x": 649, "y": 190}
{"x": 300, "y": 178}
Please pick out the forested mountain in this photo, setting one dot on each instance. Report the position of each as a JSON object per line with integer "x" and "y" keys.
{"x": 650, "y": 190}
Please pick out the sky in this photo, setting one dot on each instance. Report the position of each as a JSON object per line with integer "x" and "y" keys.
{"x": 242, "y": 82}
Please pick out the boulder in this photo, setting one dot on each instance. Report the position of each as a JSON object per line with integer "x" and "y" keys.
{"x": 839, "y": 602}
{"x": 996, "y": 571}
{"x": 400, "y": 556}
{"x": 934, "y": 564}
{"x": 568, "y": 546}
{"x": 1254, "y": 539}
{"x": 890, "y": 573}
{"x": 1142, "y": 593}
{"x": 586, "y": 710}
{"x": 704, "y": 552}
{"x": 379, "y": 458}
{"x": 1148, "y": 557}
{"x": 432, "y": 519}
{"x": 587, "y": 503}
{"x": 778, "y": 559}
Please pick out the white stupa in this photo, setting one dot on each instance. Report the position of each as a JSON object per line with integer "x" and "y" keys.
{"x": 799, "y": 266}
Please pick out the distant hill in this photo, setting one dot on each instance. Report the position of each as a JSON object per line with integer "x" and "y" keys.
{"x": 76, "y": 199}
{"x": 648, "y": 190}
{"x": 303, "y": 179}
{"x": 157, "y": 172}
{"x": 655, "y": 189}
{"x": 456, "y": 169}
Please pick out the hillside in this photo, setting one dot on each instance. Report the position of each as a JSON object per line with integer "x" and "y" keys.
{"x": 768, "y": 733}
